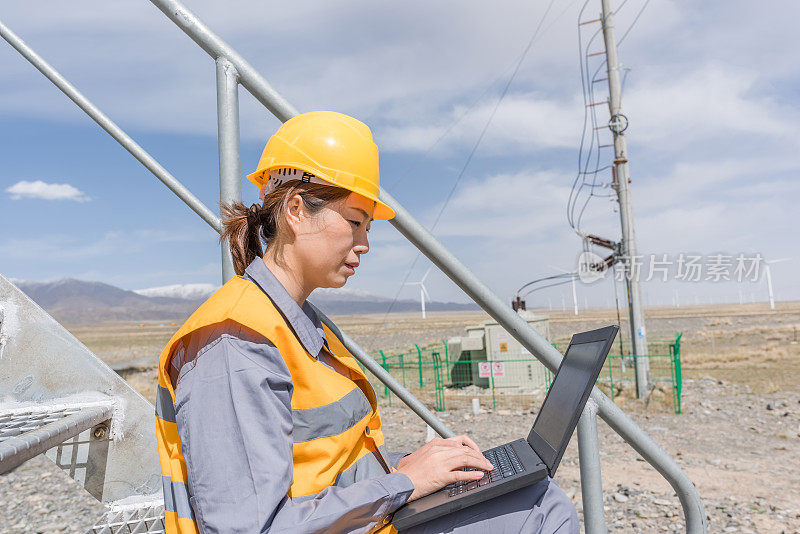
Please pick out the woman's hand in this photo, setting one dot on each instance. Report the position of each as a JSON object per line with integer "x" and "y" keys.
{"x": 440, "y": 462}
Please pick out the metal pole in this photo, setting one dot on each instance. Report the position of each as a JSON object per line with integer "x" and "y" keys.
{"x": 517, "y": 327}
{"x": 381, "y": 374}
{"x": 617, "y": 125}
{"x": 594, "y": 519}
{"x": 217, "y": 48}
{"x": 108, "y": 125}
{"x": 230, "y": 169}
{"x": 419, "y": 364}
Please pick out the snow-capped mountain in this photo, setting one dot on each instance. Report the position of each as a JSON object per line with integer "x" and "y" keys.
{"x": 180, "y": 291}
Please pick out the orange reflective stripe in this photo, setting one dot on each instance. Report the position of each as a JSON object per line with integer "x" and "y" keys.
{"x": 170, "y": 454}
{"x": 323, "y": 457}
{"x": 179, "y": 525}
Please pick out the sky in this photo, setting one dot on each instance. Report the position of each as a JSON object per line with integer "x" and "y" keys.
{"x": 711, "y": 91}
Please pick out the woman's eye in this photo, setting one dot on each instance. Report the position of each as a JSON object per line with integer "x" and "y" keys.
{"x": 356, "y": 223}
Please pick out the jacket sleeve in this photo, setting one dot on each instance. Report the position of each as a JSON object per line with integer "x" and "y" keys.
{"x": 235, "y": 424}
{"x": 394, "y": 457}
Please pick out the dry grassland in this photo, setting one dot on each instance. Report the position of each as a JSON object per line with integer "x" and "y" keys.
{"x": 741, "y": 408}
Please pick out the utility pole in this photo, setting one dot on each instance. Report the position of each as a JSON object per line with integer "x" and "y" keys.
{"x": 617, "y": 125}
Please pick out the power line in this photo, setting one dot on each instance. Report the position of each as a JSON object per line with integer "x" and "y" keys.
{"x": 549, "y": 285}
{"x": 491, "y": 116}
{"x": 476, "y": 145}
{"x": 472, "y": 106}
{"x": 635, "y": 20}
{"x": 551, "y": 277}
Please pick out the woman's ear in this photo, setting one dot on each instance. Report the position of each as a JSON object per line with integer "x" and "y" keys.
{"x": 295, "y": 213}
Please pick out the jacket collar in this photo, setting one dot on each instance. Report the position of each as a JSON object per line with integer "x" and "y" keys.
{"x": 303, "y": 321}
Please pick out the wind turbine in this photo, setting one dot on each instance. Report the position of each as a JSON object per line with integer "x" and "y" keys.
{"x": 423, "y": 293}
{"x": 769, "y": 280}
{"x": 574, "y": 293}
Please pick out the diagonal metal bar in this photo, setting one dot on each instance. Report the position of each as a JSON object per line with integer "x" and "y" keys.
{"x": 109, "y": 126}
{"x": 384, "y": 376}
{"x": 515, "y": 325}
{"x": 217, "y": 48}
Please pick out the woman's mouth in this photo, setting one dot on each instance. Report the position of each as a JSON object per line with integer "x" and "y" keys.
{"x": 351, "y": 267}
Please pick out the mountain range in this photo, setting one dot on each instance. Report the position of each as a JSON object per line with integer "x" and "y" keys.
{"x": 74, "y": 301}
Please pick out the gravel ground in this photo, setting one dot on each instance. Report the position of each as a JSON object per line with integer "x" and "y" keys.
{"x": 749, "y": 484}
{"x": 39, "y": 497}
{"x": 740, "y": 447}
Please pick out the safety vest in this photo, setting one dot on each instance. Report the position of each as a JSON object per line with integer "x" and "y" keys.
{"x": 318, "y": 461}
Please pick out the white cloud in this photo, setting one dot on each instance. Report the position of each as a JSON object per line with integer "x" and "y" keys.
{"x": 508, "y": 207}
{"x": 45, "y": 191}
{"x": 523, "y": 122}
{"x": 710, "y": 105}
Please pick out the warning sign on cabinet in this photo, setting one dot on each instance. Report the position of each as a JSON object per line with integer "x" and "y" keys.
{"x": 485, "y": 369}
{"x": 498, "y": 369}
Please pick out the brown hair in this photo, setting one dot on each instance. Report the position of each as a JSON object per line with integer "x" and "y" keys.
{"x": 245, "y": 227}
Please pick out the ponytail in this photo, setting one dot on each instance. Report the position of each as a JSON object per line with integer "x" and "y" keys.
{"x": 242, "y": 226}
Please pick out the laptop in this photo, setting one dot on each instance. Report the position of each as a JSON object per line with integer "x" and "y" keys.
{"x": 524, "y": 462}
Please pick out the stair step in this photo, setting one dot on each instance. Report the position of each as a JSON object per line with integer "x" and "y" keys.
{"x": 145, "y": 518}
{"x": 31, "y": 430}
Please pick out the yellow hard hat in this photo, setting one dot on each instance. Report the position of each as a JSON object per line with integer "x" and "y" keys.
{"x": 332, "y": 146}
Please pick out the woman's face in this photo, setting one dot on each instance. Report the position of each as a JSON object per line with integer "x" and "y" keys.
{"x": 329, "y": 244}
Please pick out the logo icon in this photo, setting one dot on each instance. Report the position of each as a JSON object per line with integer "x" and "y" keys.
{"x": 591, "y": 267}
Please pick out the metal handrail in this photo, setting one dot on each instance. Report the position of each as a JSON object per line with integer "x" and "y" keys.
{"x": 231, "y": 67}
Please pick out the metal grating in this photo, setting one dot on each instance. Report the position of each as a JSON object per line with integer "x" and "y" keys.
{"x": 145, "y": 519}
{"x": 21, "y": 421}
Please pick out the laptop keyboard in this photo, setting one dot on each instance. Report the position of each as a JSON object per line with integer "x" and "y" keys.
{"x": 505, "y": 464}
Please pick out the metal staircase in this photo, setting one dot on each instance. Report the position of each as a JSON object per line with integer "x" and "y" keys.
{"x": 60, "y": 400}
{"x": 131, "y": 485}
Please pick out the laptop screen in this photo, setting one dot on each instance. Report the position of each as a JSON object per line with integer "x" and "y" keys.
{"x": 568, "y": 394}
{"x": 577, "y": 370}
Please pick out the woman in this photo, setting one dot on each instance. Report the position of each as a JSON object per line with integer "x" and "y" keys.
{"x": 265, "y": 421}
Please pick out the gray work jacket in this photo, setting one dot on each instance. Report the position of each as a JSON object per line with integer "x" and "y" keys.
{"x": 235, "y": 421}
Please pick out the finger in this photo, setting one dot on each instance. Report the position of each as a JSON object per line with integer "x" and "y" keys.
{"x": 477, "y": 462}
{"x": 465, "y": 457}
{"x": 458, "y": 475}
{"x": 455, "y": 441}
{"x": 469, "y": 443}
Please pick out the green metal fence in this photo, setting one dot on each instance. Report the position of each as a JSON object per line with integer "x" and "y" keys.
{"x": 520, "y": 381}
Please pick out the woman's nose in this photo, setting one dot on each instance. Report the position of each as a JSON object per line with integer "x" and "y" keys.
{"x": 361, "y": 245}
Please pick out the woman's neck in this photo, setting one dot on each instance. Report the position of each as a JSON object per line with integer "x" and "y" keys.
{"x": 289, "y": 279}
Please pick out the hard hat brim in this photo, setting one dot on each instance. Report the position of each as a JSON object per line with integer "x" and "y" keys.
{"x": 382, "y": 211}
